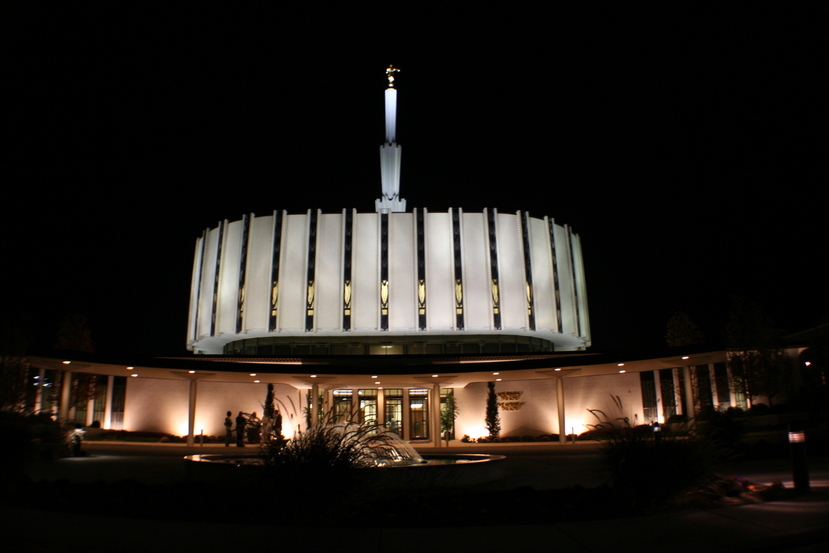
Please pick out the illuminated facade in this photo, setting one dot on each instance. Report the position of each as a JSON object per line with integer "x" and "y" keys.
{"x": 382, "y": 316}
{"x": 389, "y": 282}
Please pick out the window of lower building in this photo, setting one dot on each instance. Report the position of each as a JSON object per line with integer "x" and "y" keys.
{"x": 342, "y": 405}
{"x": 393, "y": 401}
{"x": 419, "y": 414}
{"x": 368, "y": 406}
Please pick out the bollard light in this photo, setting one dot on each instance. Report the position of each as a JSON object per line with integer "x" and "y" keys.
{"x": 800, "y": 472}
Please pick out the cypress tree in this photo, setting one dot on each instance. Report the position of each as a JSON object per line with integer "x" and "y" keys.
{"x": 493, "y": 422}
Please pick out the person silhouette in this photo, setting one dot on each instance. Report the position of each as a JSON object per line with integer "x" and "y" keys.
{"x": 240, "y": 430}
{"x": 228, "y": 430}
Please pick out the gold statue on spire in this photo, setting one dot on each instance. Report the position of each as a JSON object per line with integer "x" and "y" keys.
{"x": 390, "y": 71}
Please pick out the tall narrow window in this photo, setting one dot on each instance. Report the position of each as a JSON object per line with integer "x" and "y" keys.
{"x": 493, "y": 269}
{"x": 277, "y": 242}
{"x": 528, "y": 270}
{"x": 216, "y": 278}
{"x": 456, "y": 247}
{"x": 349, "y": 223}
{"x": 650, "y": 409}
{"x": 368, "y": 406}
{"x": 556, "y": 286}
{"x": 393, "y": 401}
{"x": 419, "y": 413}
{"x": 384, "y": 271}
{"x": 311, "y": 273}
{"x": 342, "y": 405}
{"x": 421, "y": 270}
{"x": 666, "y": 383}
{"x": 243, "y": 262}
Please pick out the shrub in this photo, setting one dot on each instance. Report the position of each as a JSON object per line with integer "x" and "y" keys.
{"x": 649, "y": 468}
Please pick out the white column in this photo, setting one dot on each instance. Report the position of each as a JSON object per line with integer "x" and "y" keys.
{"x": 732, "y": 394}
{"x": 90, "y": 411}
{"x": 712, "y": 378}
{"x": 356, "y": 413}
{"x": 108, "y": 404}
{"x": 191, "y": 421}
{"x": 406, "y": 416}
{"x": 435, "y": 412}
{"x": 381, "y": 408}
{"x": 65, "y": 387}
{"x": 562, "y": 428}
{"x": 690, "y": 412}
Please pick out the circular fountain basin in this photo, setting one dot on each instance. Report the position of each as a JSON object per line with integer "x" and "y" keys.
{"x": 436, "y": 470}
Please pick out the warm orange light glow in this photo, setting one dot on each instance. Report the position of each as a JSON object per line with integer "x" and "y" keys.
{"x": 66, "y": 362}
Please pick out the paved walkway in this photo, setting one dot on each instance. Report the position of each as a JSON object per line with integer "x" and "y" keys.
{"x": 796, "y": 525}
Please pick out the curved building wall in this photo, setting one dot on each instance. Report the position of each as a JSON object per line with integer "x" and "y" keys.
{"x": 388, "y": 274}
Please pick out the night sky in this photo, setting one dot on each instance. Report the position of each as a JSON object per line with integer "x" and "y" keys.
{"x": 687, "y": 149}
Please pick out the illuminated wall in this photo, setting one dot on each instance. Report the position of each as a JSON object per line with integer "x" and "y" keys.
{"x": 538, "y": 412}
{"x": 160, "y": 405}
{"x": 398, "y": 273}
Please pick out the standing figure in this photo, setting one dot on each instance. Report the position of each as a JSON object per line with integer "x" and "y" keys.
{"x": 277, "y": 424}
{"x": 240, "y": 430}
{"x": 228, "y": 430}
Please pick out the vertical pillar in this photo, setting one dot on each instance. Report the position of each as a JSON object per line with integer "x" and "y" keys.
{"x": 712, "y": 378}
{"x": 407, "y": 419}
{"x": 381, "y": 408}
{"x": 732, "y": 393}
{"x": 191, "y": 421}
{"x": 65, "y": 388}
{"x": 90, "y": 411}
{"x": 356, "y": 415}
{"x": 435, "y": 415}
{"x": 660, "y": 405}
{"x": 562, "y": 427}
{"x": 315, "y": 405}
{"x": 690, "y": 412}
{"x": 108, "y": 402}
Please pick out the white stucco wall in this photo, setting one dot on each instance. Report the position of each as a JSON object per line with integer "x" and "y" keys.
{"x": 539, "y": 414}
{"x": 161, "y": 405}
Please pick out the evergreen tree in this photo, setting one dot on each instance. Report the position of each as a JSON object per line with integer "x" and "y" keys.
{"x": 755, "y": 356}
{"x": 493, "y": 421}
{"x": 682, "y": 331}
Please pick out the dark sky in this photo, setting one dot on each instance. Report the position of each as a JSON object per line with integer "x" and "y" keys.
{"x": 686, "y": 148}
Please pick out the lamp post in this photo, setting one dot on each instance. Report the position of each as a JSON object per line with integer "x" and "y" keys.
{"x": 800, "y": 473}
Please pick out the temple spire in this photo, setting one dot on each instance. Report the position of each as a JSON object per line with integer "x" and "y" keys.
{"x": 390, "y": 153}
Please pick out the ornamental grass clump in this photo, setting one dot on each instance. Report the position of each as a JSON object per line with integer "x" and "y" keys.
{"x": 331, "y": 446}
{"x": 651, "y": 466}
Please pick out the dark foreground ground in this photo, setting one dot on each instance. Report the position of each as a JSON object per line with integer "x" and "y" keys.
{"x": 127, "y": 497}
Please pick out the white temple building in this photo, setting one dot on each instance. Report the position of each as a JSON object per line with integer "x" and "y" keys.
{"x": 382, "y": 316}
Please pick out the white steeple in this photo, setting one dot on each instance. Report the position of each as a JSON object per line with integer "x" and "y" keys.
{"x": 390, "y": 154}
